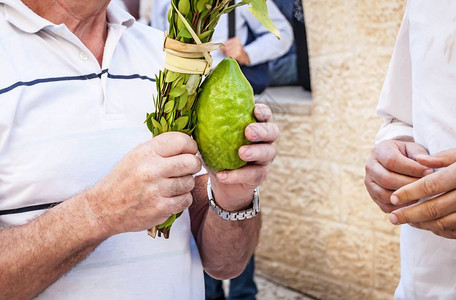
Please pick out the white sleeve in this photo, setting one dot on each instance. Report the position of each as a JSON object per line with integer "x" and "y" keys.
{"x": 266, "y": 46}
{"x": 395, "y": 104}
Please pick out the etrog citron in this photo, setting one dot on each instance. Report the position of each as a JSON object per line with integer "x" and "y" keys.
{"x": 224, "y": 109}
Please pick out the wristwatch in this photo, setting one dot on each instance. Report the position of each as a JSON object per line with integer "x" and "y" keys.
{"x": 234, "y": 215}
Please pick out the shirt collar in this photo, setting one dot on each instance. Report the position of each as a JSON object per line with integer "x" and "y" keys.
{"x": 22, "y": 17}
{"x": 118, "y": 15}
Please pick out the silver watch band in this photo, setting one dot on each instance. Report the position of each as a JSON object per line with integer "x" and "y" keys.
{"x": 234, "y": 215}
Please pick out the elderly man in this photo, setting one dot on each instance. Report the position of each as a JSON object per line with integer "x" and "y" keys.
{"x": 80, "y": 176}
{"x": 418, "y": 105}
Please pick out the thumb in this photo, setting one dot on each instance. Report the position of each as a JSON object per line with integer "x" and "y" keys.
{"x": 439, "y": 160}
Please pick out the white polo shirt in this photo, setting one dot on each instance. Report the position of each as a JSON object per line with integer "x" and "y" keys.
{"x": 65, "y": 122}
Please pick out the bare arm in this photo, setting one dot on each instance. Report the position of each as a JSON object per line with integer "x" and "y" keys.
{"x": 36, "y": 254}
{"x": 239, "y": 238}
{"x": 149, "y": 184}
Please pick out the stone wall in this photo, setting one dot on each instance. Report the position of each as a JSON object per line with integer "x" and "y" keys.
{"x": 322, "y": 235}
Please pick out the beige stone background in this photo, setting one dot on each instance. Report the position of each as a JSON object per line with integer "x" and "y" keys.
{"x": 322, "y": 235}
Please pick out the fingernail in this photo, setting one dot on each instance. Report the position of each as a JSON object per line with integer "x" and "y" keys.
{"x": 394, "y": 200}
{"x": 427, "y": 172}
{"x": 394, "y": 219}
{"x": 423, "y": 156}
{"x": 247, "y": 153}
{"x": 253, "y": 132}
{"x": 222, "y": 176}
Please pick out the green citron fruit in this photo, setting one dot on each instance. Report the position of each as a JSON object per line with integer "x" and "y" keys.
{"x": 224, "y": 108}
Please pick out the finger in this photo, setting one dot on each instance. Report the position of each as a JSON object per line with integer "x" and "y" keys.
{"x": 412, "y": 150}
{"x": 377, "y": 193}
{"x": 387, "y": 179}
{"x": 172, "y": 187}
{"x": 250, "y": 176}
{"x": 262, "y": 132}
{"x": 439, "y": 182}
{"x": 177, "y": 204}
{"x": 262, "y": 112}
{"x": 426, "y": 211}
{"x": 445, "y": 223}
{"x": 439, "y": 160}
{"x": 174, "y": 143}
{"x": 261, "y": 153}
{"x": 181, "y": 165}
{"x": 392, "y": 159}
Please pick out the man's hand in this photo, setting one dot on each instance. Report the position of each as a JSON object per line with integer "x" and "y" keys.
{"x": 391, "y": 166}
{"x": 233, "y": 48}
{"x": 152, "y": 182}
{"x": 438, "y": 214}
{"x": 233, "y": 190}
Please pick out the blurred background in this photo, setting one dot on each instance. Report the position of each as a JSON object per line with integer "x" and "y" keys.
{"x": 322, "y": 236}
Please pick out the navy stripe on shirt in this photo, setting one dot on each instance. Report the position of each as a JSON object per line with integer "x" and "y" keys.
{"x": 73, "y": 78}
{"x": 28, "y": 208}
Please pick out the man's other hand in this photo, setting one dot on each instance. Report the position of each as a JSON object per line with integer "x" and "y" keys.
{"x": 437, "y": 214}
{"x": 152, "y": 182}
{"x": 391, "y": 166}
{"x": 234, "y": 48}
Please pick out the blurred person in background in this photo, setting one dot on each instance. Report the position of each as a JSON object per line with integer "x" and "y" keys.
{"x": 293, "y": 67}
{"x": 251, "y": 44}
{"x": 411, "y": 173}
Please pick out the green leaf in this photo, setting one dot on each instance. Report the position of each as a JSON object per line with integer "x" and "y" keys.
{"x": 201, "y": 5}
{"x": 180, "y": 24}
{"x": 184, "y": 6}
{"x": 182, "y": 101}
{"x": 204, "y": 35}
{"x": 164, "y": 125}
{"x": 184, "y": 33}
{"x": 178, "y": 82}
{"x": 193, "y": 83}
{"x": 181, "y": 122}
{"x": 177, "y": 91}
{"x": 149, "y": 125}
{"x": 168, "y": 222}
{"x": 156, "y": 125}
{"x": 169, "y": 106}
{"x": 156, "y": 132}
{"x": 170, "y": 11}
{"x": 260, "y": 10}
{"x": 171, "y": 76}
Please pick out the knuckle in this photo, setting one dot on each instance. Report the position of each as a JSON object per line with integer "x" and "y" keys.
{"x": 430, "y": 187}
{"x": 404, "y": 215}
{"x": 432, "y": 210}
{"x": 385, "y": 207}
{"x": 390, "y": 160}
{"x": 441, "y": 225}
{"x": 384, "y": 180}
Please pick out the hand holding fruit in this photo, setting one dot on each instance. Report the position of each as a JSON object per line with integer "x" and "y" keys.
{"x": 233, "y": 190}
{"x": 152, "y": 182}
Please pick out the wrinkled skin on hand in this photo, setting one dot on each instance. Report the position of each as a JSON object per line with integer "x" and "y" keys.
{"x": 438, "y": 214}
{"x": 152, "y": 182}
{"x": 391, "y": 166}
